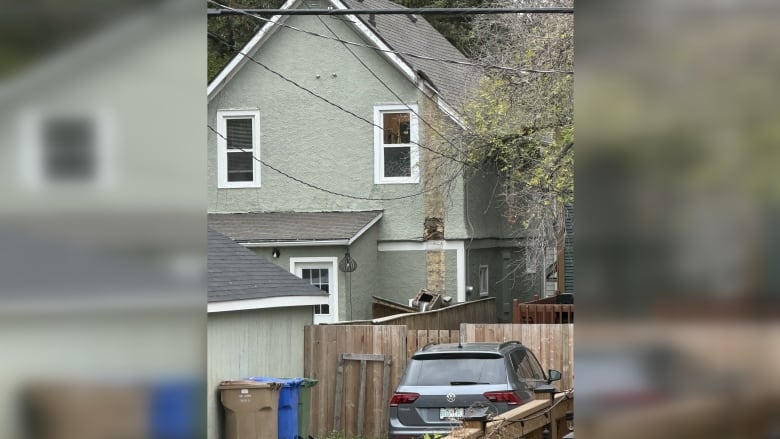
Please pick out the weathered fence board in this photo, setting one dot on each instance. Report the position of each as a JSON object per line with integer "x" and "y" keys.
{"x": 552, "y": 344}
{"x": 325, "y": 343}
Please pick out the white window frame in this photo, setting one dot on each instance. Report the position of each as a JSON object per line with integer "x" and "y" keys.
{"x": 414, "y": 138}
{"x": 222, "y": 117}
{"x": 331, "y": 263}
{"x": 484, "y": 281}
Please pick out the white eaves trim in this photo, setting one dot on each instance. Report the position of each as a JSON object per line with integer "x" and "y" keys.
{"x": 322, "y": 243}
{"x": 267, "y": 302}
{"x": 264, "y": 244}
{"x": 268, "y": 29}
{"x": 249, "y": 49}
{"x": 365, "y": 228}
{"x": 460, "y": 256}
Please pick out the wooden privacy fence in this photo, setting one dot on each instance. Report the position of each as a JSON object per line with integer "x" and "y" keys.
{"x": 361, "y": 393}
{"x": 534, "y": 313}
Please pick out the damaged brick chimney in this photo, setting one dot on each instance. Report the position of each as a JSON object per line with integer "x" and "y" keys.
{"x": 433, "y": 205}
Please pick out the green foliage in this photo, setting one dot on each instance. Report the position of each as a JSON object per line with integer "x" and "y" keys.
{"x": 234, "y": 30}
{"x": 521, "y": 122}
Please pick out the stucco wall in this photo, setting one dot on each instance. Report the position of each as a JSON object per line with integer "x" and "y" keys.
{"x": 364, "y": 279}
{"x": 402, "y": 274}
{"x": 312, "y": 140}
{"x": 252, "y": 343}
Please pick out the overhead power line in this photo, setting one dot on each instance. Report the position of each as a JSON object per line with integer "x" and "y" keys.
{"x": 333, "y": 104}
{"x": 328, "y": 191}
{"x": 396, "y": 52}
{"x": 400, "y": 99}
{"x": 404, "y": 11}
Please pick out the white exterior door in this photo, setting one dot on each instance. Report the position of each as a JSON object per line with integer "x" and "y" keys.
{"x": 320, "y": 272}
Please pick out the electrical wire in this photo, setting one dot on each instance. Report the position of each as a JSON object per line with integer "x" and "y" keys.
{"x": 400, "y": 99}
{"x": 328, "y": 191}
{"x": 397, "y": 52}
{"x": 331, "y": 103}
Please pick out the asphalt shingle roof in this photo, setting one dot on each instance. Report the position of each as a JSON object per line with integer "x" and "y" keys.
{"x": 237, "y": 273}
{"x": 291, "y": 226}
{"x": 418, "y": 37}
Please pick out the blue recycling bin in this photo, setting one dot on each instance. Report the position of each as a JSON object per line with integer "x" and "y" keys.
{"x": 173, "y": 409}
{"x": 288, "y": 405}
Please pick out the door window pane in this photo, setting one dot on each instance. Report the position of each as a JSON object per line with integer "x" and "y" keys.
{"x": 319, "y": 277}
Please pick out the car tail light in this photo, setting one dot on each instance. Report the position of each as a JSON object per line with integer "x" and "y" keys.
{"x": 403, "y": 398}
{"x": 507, "y": 397}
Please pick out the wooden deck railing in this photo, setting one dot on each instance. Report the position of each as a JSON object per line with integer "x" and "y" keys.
{"x": 526, "y": 421}
{"x": 542, "y": 313}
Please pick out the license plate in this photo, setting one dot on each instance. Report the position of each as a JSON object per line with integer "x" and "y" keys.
{"x": 450, "y": 413}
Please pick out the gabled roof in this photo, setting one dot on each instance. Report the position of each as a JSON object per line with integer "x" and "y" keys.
{"x": 294, "y": 228}
{"x": 412, "y": 34}
{"x": 390, "y": 33}
{"x": 238, "y": 274}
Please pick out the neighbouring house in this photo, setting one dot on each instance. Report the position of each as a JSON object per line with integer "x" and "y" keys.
{"x": 256, "y": 315}
{"x": 319, "y": 148}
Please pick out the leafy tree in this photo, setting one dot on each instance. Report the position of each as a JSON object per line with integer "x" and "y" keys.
{"x": 521, "y": 122}
{"x": 233, "y": 30}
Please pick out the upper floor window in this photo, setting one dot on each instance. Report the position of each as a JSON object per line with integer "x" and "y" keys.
{"x": 238, "y": 148}
{"x": 396, "y": 154}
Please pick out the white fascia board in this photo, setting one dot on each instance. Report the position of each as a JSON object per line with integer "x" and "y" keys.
{"x": 249, "y": 49}
{"x": 406, "y": 246}
{"x": 265, "y": 244}
{"x": 365, "y": 228}
{"x": 460, "y": 256}
{"x": 267, "y": 302}
{"x": 449, "y": 111}
{"x": 396, "y": 60}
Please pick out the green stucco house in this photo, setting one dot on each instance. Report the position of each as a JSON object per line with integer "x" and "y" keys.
{"x": 326, "y": 138}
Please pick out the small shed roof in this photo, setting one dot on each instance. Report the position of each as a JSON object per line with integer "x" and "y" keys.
{"x": 333, "y": 228}
{"x": 237, "y": 273}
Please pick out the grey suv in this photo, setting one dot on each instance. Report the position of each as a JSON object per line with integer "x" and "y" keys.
{"x": 443, "y": 380}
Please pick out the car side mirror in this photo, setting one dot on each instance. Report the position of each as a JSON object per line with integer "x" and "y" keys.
{"x": 553, "y": 375}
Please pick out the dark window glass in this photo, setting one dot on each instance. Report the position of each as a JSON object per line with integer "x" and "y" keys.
{"x": 443, "y": 371}
{"x": 69, "y": 149}
{"x": 239, "y": 134}
{"x": 398, "y": 162}
{"x": 239, "y": 166}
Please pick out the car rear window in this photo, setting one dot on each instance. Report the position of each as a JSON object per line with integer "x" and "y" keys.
{"x": 445, "y": 370}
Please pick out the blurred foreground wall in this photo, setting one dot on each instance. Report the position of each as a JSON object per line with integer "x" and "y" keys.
{"x": 102, "y": 225}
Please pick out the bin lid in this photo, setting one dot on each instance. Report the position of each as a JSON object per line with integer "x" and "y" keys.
{"x": 309, "y": 382}
{"x": 286, "y": 382}
{"x": 244, "y": 384}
